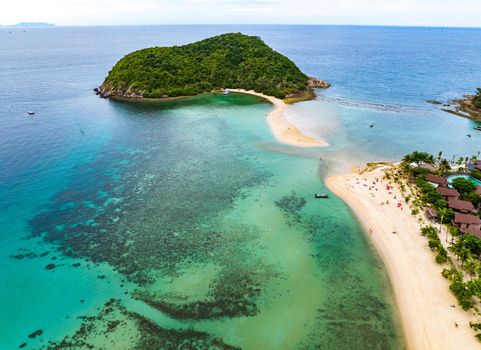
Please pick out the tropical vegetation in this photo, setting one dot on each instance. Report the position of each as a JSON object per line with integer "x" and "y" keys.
{"x": 477, "y": 99}
{"x": 459, "y": 253}
{"x": 225, "y": 61}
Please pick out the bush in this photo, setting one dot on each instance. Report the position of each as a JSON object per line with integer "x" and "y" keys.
{"x": 474, "y": 198}
{"x": 442, "y": 256}
{"x": 472, "y": 243}
{"x": 479, "y": 334}
{"x": 476, "y": 173}
{"x": 464, "y": 186}
{"x": 475, "y": 326}
{"x": 429, "y": 194}
{"x": 462, "y": 293}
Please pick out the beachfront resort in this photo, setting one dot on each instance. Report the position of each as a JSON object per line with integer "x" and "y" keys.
{"x": 412, "y": 209}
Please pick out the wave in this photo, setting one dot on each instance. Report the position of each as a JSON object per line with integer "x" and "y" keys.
{"x": 392, "y": 108}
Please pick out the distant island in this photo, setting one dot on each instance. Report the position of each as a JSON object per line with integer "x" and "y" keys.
{"x": 31, "y": 25}
{"x": 234, "y": 61}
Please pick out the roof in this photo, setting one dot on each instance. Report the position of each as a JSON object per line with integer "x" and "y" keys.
{"x": 472, "y": 231}
{"x": 436, "y": 179}
{"x": 448, "y": 192}
{"x": 424, "y": 166}
{"x": 466, "y": 219}
{"x": 431, "y": 213}
{"x": 457, "y": 204}
{"x": 427, "y": 166}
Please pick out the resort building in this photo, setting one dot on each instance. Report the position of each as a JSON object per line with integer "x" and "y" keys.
{"x": 475, "y": 232}
{"x": 474, "y": 166}
{"x": 467, "y": 223}
{"x": 436, "y": 180}
{"x": 448, "y": 193}
{"x": 426, "y": 166}
{"x": 477, "y": 164}
{"x": 464, "y": 207}
{"x": 431, "y": 214}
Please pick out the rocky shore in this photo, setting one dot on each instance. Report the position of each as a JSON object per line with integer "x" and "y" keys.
{"x": 318, "y": 84}
{"x": 108, "y": 91}
{"x": 464, "y": 107}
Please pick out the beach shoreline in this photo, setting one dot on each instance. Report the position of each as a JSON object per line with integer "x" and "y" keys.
{"x": 422, "y": 295}
{"x": 283, "y": 129}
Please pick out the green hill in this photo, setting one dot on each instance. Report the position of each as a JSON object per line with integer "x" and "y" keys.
{"x": 226, "y": 61}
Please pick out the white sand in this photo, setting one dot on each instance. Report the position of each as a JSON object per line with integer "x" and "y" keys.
{"x": 421, "y": 293}
{"x": 283, "y": 130}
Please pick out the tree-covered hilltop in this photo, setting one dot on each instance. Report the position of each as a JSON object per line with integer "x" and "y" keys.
{"x": 225, "y": 61}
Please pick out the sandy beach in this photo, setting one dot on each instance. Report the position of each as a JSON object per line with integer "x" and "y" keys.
{"x": 283, "y": 130}
{"x": 422, "y": 295}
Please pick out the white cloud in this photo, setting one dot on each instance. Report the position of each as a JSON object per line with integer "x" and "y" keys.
{"x": 374, "y": 12}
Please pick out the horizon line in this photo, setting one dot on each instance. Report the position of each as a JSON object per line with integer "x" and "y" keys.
{"x": 53, "y": 25}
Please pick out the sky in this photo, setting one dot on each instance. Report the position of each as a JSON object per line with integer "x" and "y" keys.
{"x": 457, "y": 13}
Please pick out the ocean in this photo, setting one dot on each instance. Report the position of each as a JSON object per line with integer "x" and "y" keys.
{"x": 186, "y": 224}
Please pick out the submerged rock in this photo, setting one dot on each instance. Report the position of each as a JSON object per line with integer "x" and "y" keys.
{"x": 35, "y": 334}
{"x": 50, "y": 266}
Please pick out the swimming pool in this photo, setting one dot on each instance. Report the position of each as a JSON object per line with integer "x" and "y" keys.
{"x": 468, "y": 177}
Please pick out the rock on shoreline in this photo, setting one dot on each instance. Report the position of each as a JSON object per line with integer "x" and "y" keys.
{"x": 108, "y": 91}
{"x": 319, "y": 84}
{"x": 461, "y": 107}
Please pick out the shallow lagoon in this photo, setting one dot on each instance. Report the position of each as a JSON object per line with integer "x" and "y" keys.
{"x": 191, "y": 214}
{"x": 211, "y": 222}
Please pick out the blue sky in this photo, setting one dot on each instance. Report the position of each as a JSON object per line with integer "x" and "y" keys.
{"x": 364, "y": 12}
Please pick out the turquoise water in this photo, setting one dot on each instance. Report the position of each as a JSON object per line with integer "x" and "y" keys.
{"x": 470, "y": 178}
{"x": 190, "y": 213}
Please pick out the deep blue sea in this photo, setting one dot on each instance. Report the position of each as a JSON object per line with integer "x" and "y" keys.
{"x": 188, "y": 218}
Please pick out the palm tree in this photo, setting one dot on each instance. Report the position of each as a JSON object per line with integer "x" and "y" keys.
{"x": 444, "y": 166}
{"x": 442, "y": 213}
{"x": 460, "y": 250}
{"x": 472, "y": 265}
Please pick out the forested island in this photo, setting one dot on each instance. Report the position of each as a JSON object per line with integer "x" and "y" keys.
{"x": 232, "y": 60}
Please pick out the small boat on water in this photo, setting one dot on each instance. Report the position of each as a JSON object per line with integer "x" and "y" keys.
{"x": 321, "y": 196}
{"x": 477, "y": 128}
{"x": 226, "y": 92}
{"x": 31, "y": 113}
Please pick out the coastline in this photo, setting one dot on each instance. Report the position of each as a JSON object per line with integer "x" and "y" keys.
{"x": 284, "y": 130}
{"x": 421, "y": 293}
